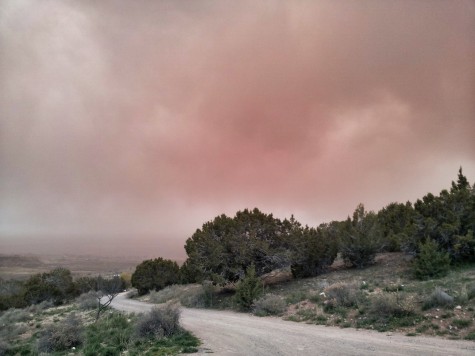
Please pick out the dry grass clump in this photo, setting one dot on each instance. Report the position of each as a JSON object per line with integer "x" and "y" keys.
{"x": 192, "y": 295}
{"x": 386, "y": 306}
{"x": 14, "y": 316}
{"x": 37, "y": 308}
{"x": 87, "y": 301}
{"x": 11, "y": 332}
{"x": 270, "y": 304}
{"x": 160, "y": 322}
{"x": 62, "y": 336}
{"x": 438, "y": 298}
{"x": 342, "y": 295}
{"x": 166, "y": 294}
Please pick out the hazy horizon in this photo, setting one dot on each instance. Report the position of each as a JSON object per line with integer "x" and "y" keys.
{"x": 124, "y": 126}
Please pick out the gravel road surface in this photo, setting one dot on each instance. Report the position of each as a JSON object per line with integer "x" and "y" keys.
{"x": 229, "y": 333}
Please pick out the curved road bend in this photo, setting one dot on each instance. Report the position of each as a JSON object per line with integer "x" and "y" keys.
{"x": 229, "y": 333}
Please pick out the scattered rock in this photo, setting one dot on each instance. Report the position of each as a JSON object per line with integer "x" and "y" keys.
{"x": 458, "y": 307}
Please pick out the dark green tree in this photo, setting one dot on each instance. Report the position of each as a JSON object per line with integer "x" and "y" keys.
{"x": 223, "y": 248}
{"x": 396, "y": 221}
{"x": 431, "y": 262}
{"x": 448, "y": 219}
{"x": 361, "y": 238}
{"x": 248, "y": 289}
{"x": 11, "y": 294}
{"x": 56, "y": 286}
{"x": 155, "y": 275}
{"x": 313, "y": 250}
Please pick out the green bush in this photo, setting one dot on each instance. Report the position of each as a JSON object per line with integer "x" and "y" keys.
{"x": 224, "y": 247}
{"x": 56, "y": 286}
{"x": 155, "y": 274}
{"x": 270, "y": 304}
{"x": 430, "y": 262}
{"x": 313, "y": 250}
{"x": 160, "y": 322}
{"x": 360, "y": 238}
{"x": 248, "y": 289}
{"x": 62, "y": 336}
{"x": 110, "y": 335}
{"x": 12, "y": 294}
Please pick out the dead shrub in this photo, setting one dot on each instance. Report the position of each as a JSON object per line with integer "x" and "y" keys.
{"x": 62, "y": 336}
{"x": 160, "y": 322}
{"x": 270, "y": 304}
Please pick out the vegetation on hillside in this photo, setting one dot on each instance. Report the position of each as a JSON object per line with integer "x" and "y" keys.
{"x": 435, "y": 237}
{"x": 225, "y": 247}
{"x": 70, "y": 329}
{"x": 230, "y": 257}
{"x": 56, "y": 286}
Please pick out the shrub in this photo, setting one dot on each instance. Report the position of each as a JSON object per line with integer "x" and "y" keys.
{"x": 36, "y": 308}
{"x": 14, "y": 316}
{"x": 192, "y": 295}
{"x": 11, "y": 294}
{"x": 166, "y": 294}
{"x": 296, "y": 296}
{"x": 155, "y": 274}
{"x": 248, "y": 289}
{"x": 342, "y": 295}
{"x": 87, "y": 301}
{"x": 160, "y": 322}
{"x": 4, "y": 348}
{"x": 56, "y": 285}
{"x": 270, "y": 304}
{"x": 62, "y": 336}
{"x": 430, "y": 262}
{"x": 471, "y": 291}
{"x": 386, "y": 307}
{"x": 110, "y": 335}
{"x": 438, "y": 298}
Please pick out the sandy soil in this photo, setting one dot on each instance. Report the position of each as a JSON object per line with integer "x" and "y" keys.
{"x": 229, "y": 333}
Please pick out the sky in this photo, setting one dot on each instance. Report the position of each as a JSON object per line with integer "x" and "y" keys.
{"x": 126, "y": 125}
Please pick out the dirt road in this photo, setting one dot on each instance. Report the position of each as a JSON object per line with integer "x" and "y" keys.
{"x": 228, "y": 333}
